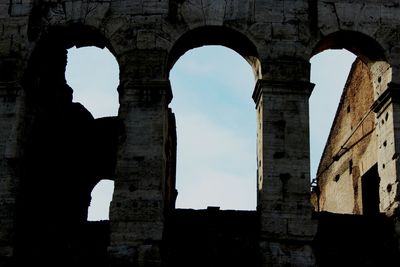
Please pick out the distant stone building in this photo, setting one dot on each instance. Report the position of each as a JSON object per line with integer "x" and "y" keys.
{"x": 348, "y": 175}
{"x": 53, "y": 152}
{"x": 358, "y": 166}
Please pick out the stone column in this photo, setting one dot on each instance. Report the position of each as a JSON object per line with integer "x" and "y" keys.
{"x": 387, "y": 109}
{"x": 136, "y": 212}
{"x": 284, "y": 168}
{"x": 10, "y": 105}
{"x": 11, "y": 108}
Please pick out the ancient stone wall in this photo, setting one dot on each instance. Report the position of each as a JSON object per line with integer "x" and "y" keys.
{"x": 351, "y": 148}
{"x": 147, "y": 37}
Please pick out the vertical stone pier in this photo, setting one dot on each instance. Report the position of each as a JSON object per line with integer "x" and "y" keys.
{"x": 387, "y": 110}
{"x": 11, "y": 97}
{"x": 136, "y": 212}
{"x": 283, "y": 156}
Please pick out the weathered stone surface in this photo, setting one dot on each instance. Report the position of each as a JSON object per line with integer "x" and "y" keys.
{"x": 358, "y": 170}
{"x": 355, "y": 145}
{"x": 282, "y": 188}
{"x": 49, "y": 158}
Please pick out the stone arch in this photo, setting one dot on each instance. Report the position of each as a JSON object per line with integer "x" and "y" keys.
{"x": 362, "y": 45}
{"x": 368, "y": 49}
{"x": 366, "y": 112}
{"x": 212, "y": 35}
{"x": 64, "y": 144}
{"x": 221, "y": 83}
{"x": 57, "y": 39}
{"x": 216, "y": 35}
{"x": 102, "y": 198}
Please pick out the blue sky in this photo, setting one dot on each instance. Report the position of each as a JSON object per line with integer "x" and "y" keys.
{"x": 216, "y": 119}
{"x": 216, "y": 127}
{"x": 329, "y": 72}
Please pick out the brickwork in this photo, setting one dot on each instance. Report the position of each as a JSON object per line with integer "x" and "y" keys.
{"x": 351, "y": 149}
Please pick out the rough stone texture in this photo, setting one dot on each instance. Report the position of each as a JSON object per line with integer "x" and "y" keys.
{"x": 9, "y": 182}
{"x": 48, "y": 153}
{"x": 212, "y": 237}
{"x": 283, "y": 190}
{"x": 355, "y": 240}
{"x": 357, "y": 172}
{"x": 351, "y": 149}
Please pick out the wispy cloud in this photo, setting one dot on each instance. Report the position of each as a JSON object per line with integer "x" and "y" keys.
{"x": 202, "y": 144}
{"x": 216, "y": 129}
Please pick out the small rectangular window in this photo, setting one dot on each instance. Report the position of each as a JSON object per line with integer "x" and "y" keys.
{"x": 350, "y": 166}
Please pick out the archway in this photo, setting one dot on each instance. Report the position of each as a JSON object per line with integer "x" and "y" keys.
{"x": 329, "y": 72}
{"x": 216, "y": 129}
{"x": 217, "y": 40}
{"x": 101, "y": 196}
{"x": 93, "y": 73}
{"x": 66, "y": 152}
{"x": 352, "y": 145}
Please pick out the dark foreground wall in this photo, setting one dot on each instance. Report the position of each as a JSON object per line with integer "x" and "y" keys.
{"x": 207, "y": 238}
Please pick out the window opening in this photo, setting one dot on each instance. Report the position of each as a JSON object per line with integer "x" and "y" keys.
{"x": 370, "y": 191}
{"x": 329, "y": 72}
{"x": 93, "y": 74}
{"x": 216, "y": 129}
{"x": 101, "y": 197}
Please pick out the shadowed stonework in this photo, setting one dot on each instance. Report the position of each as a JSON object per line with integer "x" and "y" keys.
{"x": 53, "y": 152}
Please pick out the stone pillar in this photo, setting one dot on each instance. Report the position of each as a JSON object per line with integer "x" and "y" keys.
{"x": 10, "y": 105}
{"x": 283, "y": 151}
{"x": 136, "y": 212}
{"x": 387, "y": 109}
{"x": 11, "y": 108}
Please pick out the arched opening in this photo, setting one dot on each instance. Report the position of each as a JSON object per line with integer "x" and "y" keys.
{"x": 351, "y": 149}
{"x": 93, "y": 73}
{"x": 101, "y": 197}
{"x": 216, "y": 35}
{"x": 358, "y": 43}
{"x": 329, "y": 72}
{"x": 66, "y": 151}
{"x": 216, "y": 129}
{"x": 212, "y": 88}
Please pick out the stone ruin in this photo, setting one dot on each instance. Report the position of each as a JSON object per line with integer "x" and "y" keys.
{"x": 53, "y": 152}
